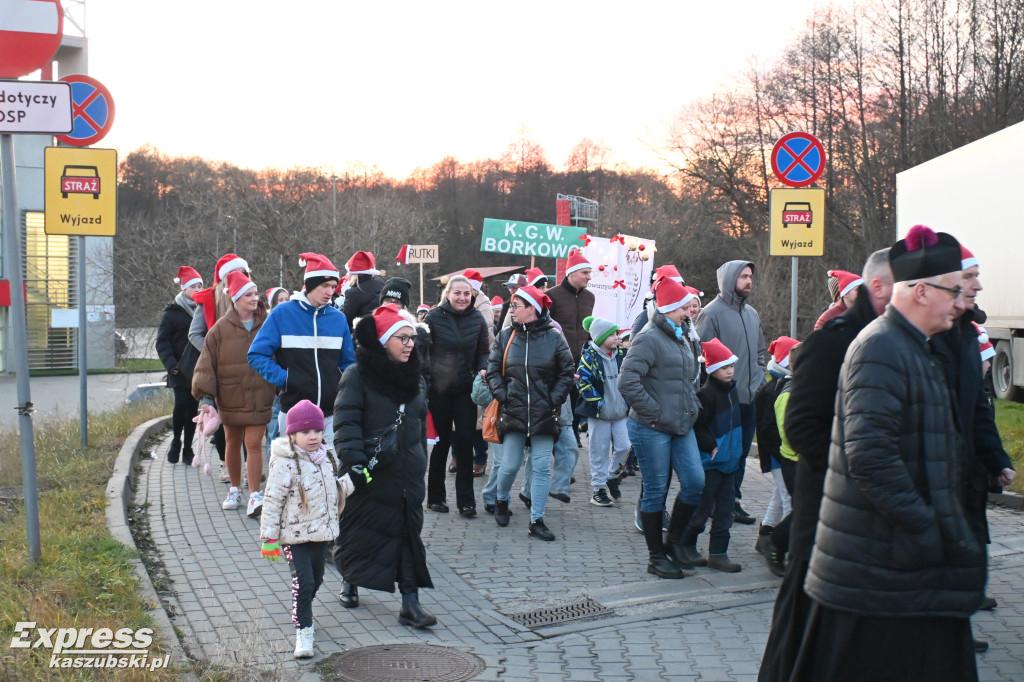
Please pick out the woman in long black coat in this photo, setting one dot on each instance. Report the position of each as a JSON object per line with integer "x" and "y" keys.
{"x": 179, "y": 359}
{"x": 380, "y": 543}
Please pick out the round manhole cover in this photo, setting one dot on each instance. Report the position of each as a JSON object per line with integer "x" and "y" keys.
{"x": 390, "y": 662}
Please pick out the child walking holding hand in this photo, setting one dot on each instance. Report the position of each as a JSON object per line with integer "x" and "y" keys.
{"x": 300, "y": 512}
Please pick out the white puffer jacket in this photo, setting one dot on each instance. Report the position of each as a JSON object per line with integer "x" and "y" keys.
{"x": 283, "y": 517}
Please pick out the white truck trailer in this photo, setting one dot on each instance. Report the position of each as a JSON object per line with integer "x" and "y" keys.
{"x": 976, "y": 193}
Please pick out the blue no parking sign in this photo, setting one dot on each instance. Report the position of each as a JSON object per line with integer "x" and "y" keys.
{"x": 798, "y": 159}
{"x": 92, "y": 111}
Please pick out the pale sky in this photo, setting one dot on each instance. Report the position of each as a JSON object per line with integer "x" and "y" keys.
{"x": 403, "y": 84}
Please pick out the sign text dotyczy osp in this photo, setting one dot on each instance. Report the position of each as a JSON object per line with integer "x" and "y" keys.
{"x": 530, "y": 239}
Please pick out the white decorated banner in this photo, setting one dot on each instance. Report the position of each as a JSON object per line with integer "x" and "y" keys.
{"x": 620, "y": 277}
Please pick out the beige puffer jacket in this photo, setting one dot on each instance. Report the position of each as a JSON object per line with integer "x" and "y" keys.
{"x": 283, "y": 517}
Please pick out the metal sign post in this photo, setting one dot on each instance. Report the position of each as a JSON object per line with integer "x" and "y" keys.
{"x": 19, "y": 343}
{"x": 792, "y": 297}
{"x": 83, "y": 367}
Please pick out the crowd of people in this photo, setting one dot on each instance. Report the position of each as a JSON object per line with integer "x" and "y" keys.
{"x": 877, "y": 432}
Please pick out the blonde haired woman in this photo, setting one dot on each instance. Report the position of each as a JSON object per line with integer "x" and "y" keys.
{"x": 458, "y": 352}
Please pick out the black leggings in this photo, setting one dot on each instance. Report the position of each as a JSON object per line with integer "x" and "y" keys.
{"x": 185, "y": 408}
{"x": 306, "y": 561}
{"x": 460, "y": 410}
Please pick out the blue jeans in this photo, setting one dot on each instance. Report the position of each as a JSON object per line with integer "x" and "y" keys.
{"x": 274, "y": 428}
{"x": 566, "y": 456}
{"x": 490, "y": 491}
{"x": 748, "y": 417}
{"x": 513, "y": 452}
{"x": 659, "y": 454}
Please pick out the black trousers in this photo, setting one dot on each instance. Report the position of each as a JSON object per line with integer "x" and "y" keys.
{"x": 460, "y": 410}
{"x": 780, "y": 535}
{"x": 306, "y": 561}
{"x": 185, "y": 408}
{"x": 716, "y": 503}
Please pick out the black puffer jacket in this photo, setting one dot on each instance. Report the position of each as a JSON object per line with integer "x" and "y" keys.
{"x": 984, "y": 455}
{"x": 459, "y": 349}
{"x": 810, "y": 411}
{"x": 537, "y": 378}
{"x": 375, "y": 517}
{"x": 362, "y": 299}
{"x": 893, "y": 538}
{"x": 172, "y": 345}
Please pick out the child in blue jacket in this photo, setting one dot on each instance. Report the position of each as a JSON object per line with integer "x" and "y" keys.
{"x": 719, "y": 432}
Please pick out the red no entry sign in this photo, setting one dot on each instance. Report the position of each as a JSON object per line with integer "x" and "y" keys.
{"x": 798, "y": 159}
{"x": 30, "y": 33}
{"x": 92, "y": 111}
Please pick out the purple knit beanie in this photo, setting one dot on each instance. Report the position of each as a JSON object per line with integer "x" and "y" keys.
{"x": 303, "y": 417}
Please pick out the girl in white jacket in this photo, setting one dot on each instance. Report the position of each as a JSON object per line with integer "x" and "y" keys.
{"x": 301, "y": 505}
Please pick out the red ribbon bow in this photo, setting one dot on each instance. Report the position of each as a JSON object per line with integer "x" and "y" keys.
{"x": 585, "y": 238}
{"x": 619, "y": 283}
{"x": 620, "y": 239}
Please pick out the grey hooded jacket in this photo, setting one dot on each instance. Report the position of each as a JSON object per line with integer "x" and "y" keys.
{"x": 657, "y": 379}
{"x": 733, "y": 322}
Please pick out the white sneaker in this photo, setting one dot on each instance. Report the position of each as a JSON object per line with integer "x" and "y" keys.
{"x": 233, "y": 499}
{"x": 304, "y": 643}
{"x": 255, "y": 504}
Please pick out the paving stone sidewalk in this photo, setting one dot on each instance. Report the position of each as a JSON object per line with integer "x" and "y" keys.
{"x": 232, "y": 608}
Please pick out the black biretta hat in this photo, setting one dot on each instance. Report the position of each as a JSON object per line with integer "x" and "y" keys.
{"x": 924, "y": 253}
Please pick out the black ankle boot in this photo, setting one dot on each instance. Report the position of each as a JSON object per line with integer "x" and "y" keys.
{"x": 658, "y": 563}
{"x": 501, "y": 514}
{"x": 681, "y": 514}
{"x": 349, "y": 595}
{"x": 172, "y": 454}
{"x": 413, "y": 614}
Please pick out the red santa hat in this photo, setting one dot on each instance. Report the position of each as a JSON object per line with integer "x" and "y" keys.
{"x": 403, "y": 255}
{"x": 577, "y": 261}
{"x": 229, "y": 262}
{"x": 238, "y": 284}
{"x": 423, "y": 308}
{"x": 667, "y": 271}
{"x": 476, "y": 280}
{"x": 534, "y": 297}
{"x": 497, "y": 303}
{"x": 361, "y": 263}
{"x": 988, "y": 350}
{"x": 625, "y": 334}
{"x": 318, "y": 266}
{"x": 389, "y": 320}
{"x": 967, "y": 258}
{"x": 187, "y": 277}
{"x": 671, "y": 295}
{"x": 717, "y": 355}
{"x": 534, "y": 275}
{"x": 270, "y": 294}
{"x": 841, "y": 282}
{"x": 779, "y": 350}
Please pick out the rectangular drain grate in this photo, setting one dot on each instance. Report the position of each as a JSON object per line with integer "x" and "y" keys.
{"x": 588, "y": 609}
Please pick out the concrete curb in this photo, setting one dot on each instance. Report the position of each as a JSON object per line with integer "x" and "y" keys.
{"x": 119, "y": 495}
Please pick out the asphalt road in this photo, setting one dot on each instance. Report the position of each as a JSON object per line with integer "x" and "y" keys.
{"x": 58, "y": 396}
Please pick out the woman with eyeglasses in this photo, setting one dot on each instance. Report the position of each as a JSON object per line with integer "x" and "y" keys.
{"x": 529, "y": 372}
{"x": 379, "y": 544}
{"x": 458, "y": 352}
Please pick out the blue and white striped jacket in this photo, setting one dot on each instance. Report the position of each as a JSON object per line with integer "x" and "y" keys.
{"x": 303, "y": 350}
